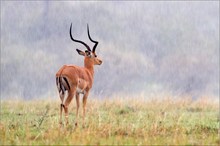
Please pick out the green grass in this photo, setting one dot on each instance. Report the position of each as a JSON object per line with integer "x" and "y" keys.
{"x": 112, "y": 122}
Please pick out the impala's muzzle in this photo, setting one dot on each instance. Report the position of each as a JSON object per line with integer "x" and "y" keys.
{"x": 97, "y": 61}
{"x": 100, "y": 62}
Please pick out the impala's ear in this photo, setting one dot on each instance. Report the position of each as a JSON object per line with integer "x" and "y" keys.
{"x": 80, "y": 52}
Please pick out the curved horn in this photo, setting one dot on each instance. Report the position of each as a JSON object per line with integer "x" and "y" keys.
{"x": 96, "y": 43}
{"x": 78, "y": 41}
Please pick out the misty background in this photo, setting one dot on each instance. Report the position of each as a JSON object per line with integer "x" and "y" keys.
{"x": 149, "y": 49}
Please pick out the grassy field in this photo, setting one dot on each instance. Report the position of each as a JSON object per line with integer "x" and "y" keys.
{"x": 112, "y": 122}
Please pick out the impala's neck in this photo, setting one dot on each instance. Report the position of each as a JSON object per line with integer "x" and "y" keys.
{"x": 89, "y": 65}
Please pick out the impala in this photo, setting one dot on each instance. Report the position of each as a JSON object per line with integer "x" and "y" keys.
{"x": 74, "y": 80}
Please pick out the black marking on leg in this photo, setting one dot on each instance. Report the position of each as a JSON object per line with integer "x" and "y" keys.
{"x": 67, "y": 82}
{"x": 61, "y": 85}
{"x": 57, "y": 78}
{"x": 58, "y": 83}
{"x": 62, "y": 105}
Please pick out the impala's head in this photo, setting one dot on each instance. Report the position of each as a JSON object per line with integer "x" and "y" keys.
{"x": 88, "y": 53}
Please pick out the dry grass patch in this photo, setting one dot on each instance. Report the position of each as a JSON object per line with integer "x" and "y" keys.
{"x": 112, "y": 121}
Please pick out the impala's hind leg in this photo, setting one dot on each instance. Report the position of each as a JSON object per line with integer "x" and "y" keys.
{"x": 61, "y": 90}
{"x": 61, "y": 93}
{"x": 71, "y": 93}
{"x": 61, "y": 106}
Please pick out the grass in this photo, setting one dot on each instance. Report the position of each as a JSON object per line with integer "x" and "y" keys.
{"x": 112, "y": 122}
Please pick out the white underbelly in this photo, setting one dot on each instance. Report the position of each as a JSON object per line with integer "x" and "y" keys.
{"x": 81, "y": 86}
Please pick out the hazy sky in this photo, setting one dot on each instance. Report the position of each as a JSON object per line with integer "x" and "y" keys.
{"x": 148, "y": 48}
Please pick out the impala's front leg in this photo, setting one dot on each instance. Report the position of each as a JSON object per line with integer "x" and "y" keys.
{"x": 84, "y": 106}
{"x": 77, "y": 108}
